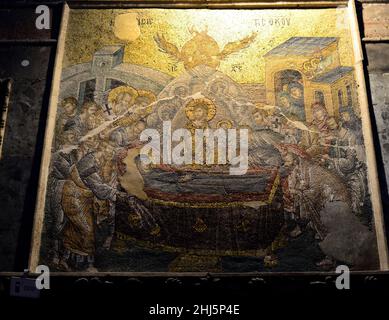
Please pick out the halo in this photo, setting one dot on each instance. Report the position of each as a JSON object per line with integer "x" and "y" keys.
{"x": 67, "y": 100}
{"x": 151, "y": 96}
{"x": 148, "y": 94}
{"x": 228, "y": 122}
{"x": 161, "y": 104}
{"x": 218, "y": 80}
{"x": 121, "y": 89}
{"x": 178, "y": 85}
{"x": 211, "y": 108}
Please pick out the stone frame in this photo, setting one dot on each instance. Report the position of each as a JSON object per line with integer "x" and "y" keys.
{"x": 6, "y": 87}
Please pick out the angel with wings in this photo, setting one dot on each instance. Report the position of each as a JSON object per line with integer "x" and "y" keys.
{"x": 202, "y": 49}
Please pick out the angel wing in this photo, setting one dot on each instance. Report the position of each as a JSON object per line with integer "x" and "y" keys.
{"x": 167, "y": 47}
{"x": 235, "y": 46}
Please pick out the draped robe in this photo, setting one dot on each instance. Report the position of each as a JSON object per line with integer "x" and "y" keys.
{"x": 80, "y": 193}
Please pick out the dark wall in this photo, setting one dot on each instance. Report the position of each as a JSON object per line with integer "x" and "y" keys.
{"x": 26, "y": 57}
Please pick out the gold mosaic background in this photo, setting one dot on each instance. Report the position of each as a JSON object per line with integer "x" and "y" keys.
{"x": 90, "y": 30}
